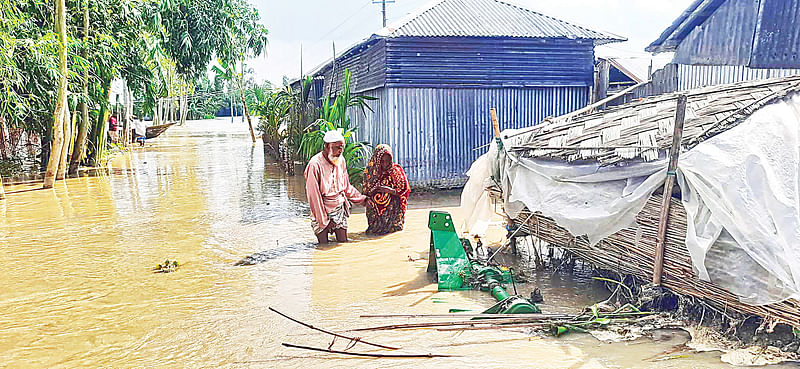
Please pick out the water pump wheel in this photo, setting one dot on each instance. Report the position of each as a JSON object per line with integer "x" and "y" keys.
{"x": 450, "y": 259}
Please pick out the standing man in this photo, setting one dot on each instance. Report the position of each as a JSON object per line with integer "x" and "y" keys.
{"x": 329, "y": 190}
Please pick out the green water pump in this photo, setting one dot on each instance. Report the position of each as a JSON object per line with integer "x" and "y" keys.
{"x": 452, "y": 261}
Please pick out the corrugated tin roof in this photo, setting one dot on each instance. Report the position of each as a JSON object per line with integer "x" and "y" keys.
{"x": 693, "y": 16}
{"x": 635, "y": 68}
{"x": 487, "y": 18}
{"x": 643, "y": 129}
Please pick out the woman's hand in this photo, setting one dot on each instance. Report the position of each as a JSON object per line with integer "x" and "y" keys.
{"x": 387, "y": 189}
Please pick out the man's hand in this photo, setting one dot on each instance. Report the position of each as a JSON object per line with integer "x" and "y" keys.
{"x": 360, "y": 200}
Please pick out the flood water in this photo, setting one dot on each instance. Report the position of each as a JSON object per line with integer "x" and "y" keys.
{"x": 78, "y": 288}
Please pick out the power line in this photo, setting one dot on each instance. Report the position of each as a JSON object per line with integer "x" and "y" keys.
{"x": 344, "y": 21}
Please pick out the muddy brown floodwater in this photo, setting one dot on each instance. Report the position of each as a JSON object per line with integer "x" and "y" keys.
{"x": 78, "y": 288}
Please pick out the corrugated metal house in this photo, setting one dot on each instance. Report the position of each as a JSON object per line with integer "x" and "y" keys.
{"x": 726, "y": 41}
{"x": 438, "y": 71}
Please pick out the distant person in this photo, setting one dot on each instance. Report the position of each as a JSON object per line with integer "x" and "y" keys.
{"x": 387, "y": 190}
{"x": 329, "y": 190}
{"x": 112, "y": 128}
{"x": 139, "y": 131}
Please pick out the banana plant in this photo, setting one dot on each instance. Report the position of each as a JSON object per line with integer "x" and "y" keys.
{"x": 272, "y": 106}
{"x": 334, "y": 116}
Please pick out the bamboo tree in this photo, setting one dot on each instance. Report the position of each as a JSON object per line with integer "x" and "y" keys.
{"x": 58, "y": 115}
{"x": 79, "y": 148}
{"x": 101, "y": 127}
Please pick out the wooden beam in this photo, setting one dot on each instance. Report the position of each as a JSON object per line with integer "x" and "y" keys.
{"x": 674, "y": 152}
{"x": 495, "y": 124}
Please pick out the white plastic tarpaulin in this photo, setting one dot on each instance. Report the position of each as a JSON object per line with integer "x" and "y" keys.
{"x": 739, "y": 188}
{"x": 585, "y": 199}
{"x": 740, "y": 191}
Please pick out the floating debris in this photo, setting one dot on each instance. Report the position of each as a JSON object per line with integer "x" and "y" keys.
{"x": 167, "y": 267}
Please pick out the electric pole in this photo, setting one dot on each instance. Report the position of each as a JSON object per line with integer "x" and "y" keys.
{"x": 383, "y": 8}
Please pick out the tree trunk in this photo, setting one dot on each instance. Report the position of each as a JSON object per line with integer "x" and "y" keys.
{"x": 62, "y": 165}
{"x": 3, "y": 146}
{"x": 247, "y": 114}
{"x": 58, "y": 115}
{"x": 79, "y": 149}
{"x": 2, "y": 191}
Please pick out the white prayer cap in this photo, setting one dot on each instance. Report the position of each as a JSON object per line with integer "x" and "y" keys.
{"x": 333, "y": 136}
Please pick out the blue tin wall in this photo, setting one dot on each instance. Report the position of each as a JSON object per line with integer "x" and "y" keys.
{"x": 726, "y": 37}
{"x": 754, "y": 33}
{"x": 366, "y": 64}
{"x": 696, "y": 76}
{"x": 777, "y": 39}
{"x": 488, "y": 62}
{"x": 434, "y": 131}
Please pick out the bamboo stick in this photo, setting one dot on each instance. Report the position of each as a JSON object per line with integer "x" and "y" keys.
{"x": 532, "y": 318}
{"x": 408, "y": 356}
{"x": 356, "y": 339}
{"x": 486, "y": 316}
{"x": 674, "y": 152}
{"x": 495, "y": 124}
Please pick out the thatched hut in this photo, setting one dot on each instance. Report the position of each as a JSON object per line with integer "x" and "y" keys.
{"x": 592, "y": 184}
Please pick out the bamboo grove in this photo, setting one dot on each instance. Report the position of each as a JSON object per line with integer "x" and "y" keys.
{"x": 59, "y": 57}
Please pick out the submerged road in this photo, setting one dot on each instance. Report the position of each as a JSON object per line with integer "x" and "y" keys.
{"x": 78, "y": 288}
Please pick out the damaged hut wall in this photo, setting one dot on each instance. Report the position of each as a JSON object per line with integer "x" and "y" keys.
{"x": 488, "y": 62}
{"x": 631, "y": 252}
{"x": 434, "y": 131}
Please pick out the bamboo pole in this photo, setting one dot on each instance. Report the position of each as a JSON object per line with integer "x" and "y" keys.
{"x": 355, "y": 339}
{"x": 495, "y": 124}
{"x": 58, "y": 115}
{"x": 674, "y": 152}
{"x": 485, "y": 316}
{"x": 408, "y": 356}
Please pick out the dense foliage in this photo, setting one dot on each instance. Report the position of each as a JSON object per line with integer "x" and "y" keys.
{"x": 160, "y": 48}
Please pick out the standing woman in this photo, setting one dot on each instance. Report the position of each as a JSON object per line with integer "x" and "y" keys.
{"x": 387, "y": 190}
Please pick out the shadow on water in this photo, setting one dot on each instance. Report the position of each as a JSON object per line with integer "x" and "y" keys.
{"x": 271, "y": 254}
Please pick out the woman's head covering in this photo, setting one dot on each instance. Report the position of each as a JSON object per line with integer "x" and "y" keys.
{"x": 380, "y": 151}
{"x": 374, "y": 170}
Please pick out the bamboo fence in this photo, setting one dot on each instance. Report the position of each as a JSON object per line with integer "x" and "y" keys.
{"x": 631, "y": 251}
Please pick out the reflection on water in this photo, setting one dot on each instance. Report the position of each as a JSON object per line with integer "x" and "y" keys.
{"x": 79, "y": 291}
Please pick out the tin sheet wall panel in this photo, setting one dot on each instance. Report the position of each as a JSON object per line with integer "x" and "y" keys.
{"x": 696, "y": 76}
{"x": 367, "y": 69}
{"x": 475, "y": 62}
{"x": 726, "y": 37}
{"x": 777, "y": 38}
{"x": 434, "y": 131}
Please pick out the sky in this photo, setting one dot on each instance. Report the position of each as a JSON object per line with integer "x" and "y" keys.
{"x": 316, "y": 24}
